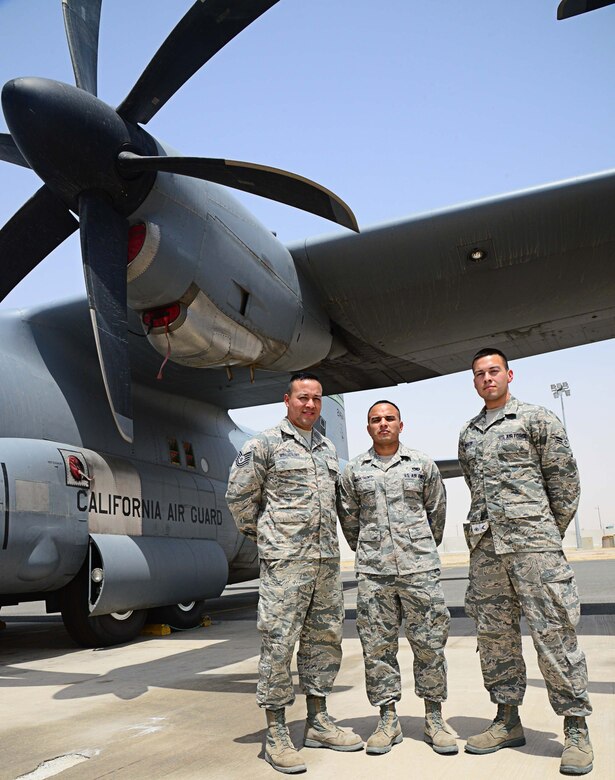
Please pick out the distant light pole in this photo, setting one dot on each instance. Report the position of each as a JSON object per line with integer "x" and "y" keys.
{"x": 600, "y": 519}
{"x": 559, "y": 390}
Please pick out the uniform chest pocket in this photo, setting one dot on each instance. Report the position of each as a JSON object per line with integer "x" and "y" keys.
{"x": 333, "y": 466}
{"x": 413, "y": 485}
{"x": 365, "y": 488}
{"x": 365, "y": 485}
{"x": 514, "y": 448}
{"x": 284, "y": 463}
{"x": 290, "y": 483}
{"x": 289, "y": 476}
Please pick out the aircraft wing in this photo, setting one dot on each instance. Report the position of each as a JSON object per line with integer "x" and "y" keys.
{"x": 529, "y": 273}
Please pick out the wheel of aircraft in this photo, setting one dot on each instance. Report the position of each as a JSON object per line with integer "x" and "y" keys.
{"x": 179, "y": 616}
{"x": 101, "y": 630}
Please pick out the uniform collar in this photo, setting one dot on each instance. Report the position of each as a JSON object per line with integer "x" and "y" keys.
{"x": 290, "y": 429}
{"x": 509, "y": 410}
{"x": 371, "y": 456}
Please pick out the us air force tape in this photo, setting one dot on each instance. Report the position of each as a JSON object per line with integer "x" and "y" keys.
{"x": 243, "y": 459}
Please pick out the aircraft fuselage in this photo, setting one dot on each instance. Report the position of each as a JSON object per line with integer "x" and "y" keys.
{"x": 73, "y": 494}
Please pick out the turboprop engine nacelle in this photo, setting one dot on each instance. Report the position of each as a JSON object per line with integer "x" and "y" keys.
{"x": 214, "y": 287}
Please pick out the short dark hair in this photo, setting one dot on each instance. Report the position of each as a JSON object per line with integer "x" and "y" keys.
{"x": 383, "y": 401}
{"x": 299, "y": 377}
{"x": 485, "y": 351}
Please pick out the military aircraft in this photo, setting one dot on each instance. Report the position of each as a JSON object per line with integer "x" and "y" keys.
{"x": 111, "y": 498}
{"x": 568, "y": 8}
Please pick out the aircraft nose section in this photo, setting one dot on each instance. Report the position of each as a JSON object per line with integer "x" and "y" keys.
{"x": 68, "y": 136}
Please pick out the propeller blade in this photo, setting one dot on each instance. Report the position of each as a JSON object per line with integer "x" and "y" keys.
{"x": 9, "y": 151}
{"x": 39, "y": 226}
{"x": 104, "y": 247}
{"x": 205, "y": 29}
{"x": 271, "y": 183}
{"x": 82, "y": 23}
{"x": 568, "y": 8}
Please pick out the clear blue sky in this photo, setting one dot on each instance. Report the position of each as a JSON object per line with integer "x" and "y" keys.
{"x": 400, "y": 107}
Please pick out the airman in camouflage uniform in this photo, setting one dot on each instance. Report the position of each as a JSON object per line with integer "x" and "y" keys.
{"x": 281, "y": 492}
{"x": 524, "y": 485}
{"x": 392, "y": 507}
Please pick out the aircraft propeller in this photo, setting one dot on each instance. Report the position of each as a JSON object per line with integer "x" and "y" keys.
{"x": 568, "y": 8}
{"x": 82, "y": 23}
{"x": 99, "y": 163}
{"x": 272, "y": 183}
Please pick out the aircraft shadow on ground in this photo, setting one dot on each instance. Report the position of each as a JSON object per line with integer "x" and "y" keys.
{"x": 192, "y": 670}
{"x": 34, "y": 639}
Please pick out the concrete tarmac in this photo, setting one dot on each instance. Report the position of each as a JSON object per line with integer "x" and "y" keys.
{"x": 182, "y": 706}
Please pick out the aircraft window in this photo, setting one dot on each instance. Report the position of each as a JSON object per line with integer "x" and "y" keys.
{"x": 189, "y": 453}
{"x": 174, "y": 455}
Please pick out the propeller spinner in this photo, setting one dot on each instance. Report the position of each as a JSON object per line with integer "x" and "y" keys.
{"x": 97, "y": 162}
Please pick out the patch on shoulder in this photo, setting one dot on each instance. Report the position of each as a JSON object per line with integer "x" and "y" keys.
{"x": 562, "y": 440}
{"x": 243, "y": 458}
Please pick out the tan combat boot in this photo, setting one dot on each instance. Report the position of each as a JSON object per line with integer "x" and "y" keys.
{"x": 437, "y": 733}
{"x": 388, "y": 732}
{"x": 505, "y": 731}
{"x": 279, "y": 750}
{"x": 321, "y": 731}
{"x": 578, "y": 756}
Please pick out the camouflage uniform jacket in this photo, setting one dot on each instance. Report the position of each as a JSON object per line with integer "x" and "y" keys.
{"x": 522, "y": 477}
{"x": 392, "y": 513}
{"x": 282, "y": 494}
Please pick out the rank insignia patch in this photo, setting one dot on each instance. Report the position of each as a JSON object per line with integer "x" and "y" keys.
{"x": 243, "y": 459}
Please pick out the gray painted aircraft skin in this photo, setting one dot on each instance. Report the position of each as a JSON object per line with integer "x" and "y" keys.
{"x": 113, "y": 469}
{"x": 151, "y": 514}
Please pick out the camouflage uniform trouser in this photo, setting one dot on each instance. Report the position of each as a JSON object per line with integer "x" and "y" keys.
{"x": 540, "y": 585}
{"x": 382, "y": 603}
{"x": 298, "y": 600}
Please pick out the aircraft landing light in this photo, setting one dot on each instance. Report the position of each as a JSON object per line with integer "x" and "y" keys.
{"x": 476, "y": 255}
